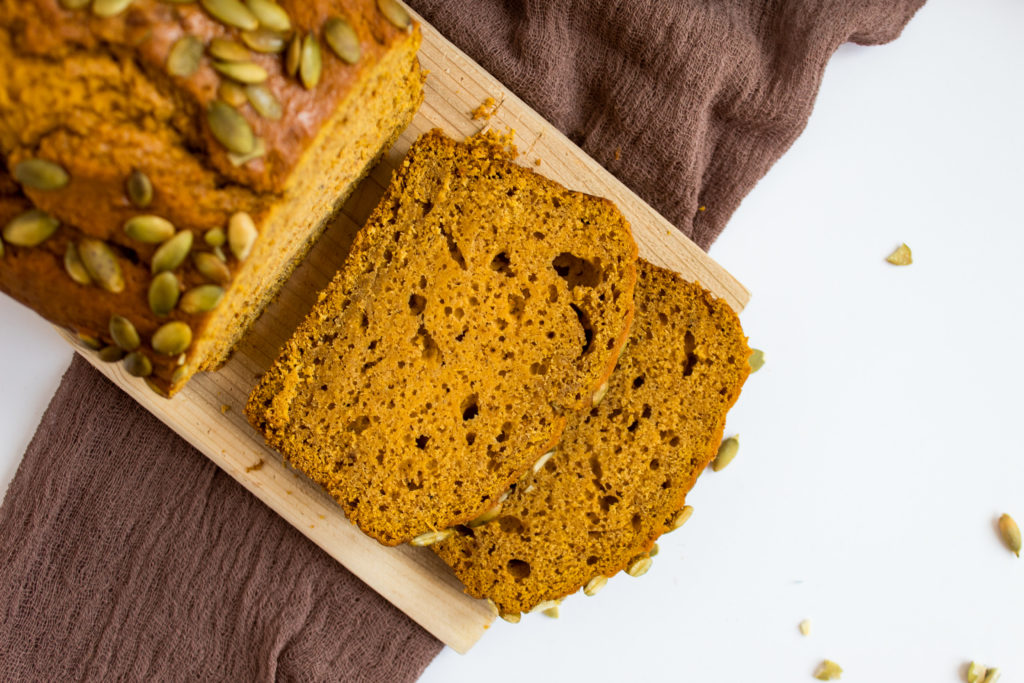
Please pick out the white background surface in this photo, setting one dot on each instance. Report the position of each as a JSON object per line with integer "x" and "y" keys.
{"x": 881, "y": 440}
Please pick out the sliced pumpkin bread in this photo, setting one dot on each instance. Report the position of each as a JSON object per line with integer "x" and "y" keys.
{"x": 479, "y": 306}
{"x": 620, "y": 475}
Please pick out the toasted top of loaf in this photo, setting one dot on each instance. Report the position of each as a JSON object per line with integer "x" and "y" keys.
{"x": 99, "y": 96}
{"x": 622, "y": 471}
{"x": 106, "y": 119}
{"x": 480, "y": 303}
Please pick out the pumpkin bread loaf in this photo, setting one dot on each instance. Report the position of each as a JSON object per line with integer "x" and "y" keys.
{"x": 165, "y": 164}
{"x": 620, "y": 475}
{"x": 480, "y": 305}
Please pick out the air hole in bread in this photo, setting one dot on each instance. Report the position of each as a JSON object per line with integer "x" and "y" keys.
{"x": 416, "y": 304}
{"x": 576, "y": 271}
{"x": 654, "y": 464}
{"x": 510, "y": 525}
{"x": 360, "y": 424}
{"x": 421, "y": 441}
{"x": 516, "y": 305}
{"x": 592, "y": 560}
{"x": 428, "y": 347}
{"x": 632, "y": 427}
{"x": 639, "y": 382}
{"x": 519, "y": 569}
{"x": 606, "y": 502}
{"x": 453, "y": 248}
{"x": 588, "y": 330}
{"x": 646, "y": 412}
{"x": 538, "y": 368}
{"x": 502, "y": 264}
{"x": 470, "y": 438}
{"x": 689, "y": 344}
{"x": 635, "y": 522}
{"x": 470, "y": 408}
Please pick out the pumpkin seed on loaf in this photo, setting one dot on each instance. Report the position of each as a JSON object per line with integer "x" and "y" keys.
{"x": 620, "y": 475}
{"x": 480, "y": 305}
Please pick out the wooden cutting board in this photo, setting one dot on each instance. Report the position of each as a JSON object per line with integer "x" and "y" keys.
{"x": 208, "y": 412}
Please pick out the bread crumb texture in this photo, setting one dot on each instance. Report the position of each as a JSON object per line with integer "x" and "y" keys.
{"x": 481, "y": 303}
{"x": 622, "y": 470}
{"x": 97, "y": 98}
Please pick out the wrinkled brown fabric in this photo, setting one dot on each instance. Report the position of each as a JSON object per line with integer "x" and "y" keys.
{"x": 127, "y": 555}
{"x": 124, "y": 554}
{"x": 689, "y": 102}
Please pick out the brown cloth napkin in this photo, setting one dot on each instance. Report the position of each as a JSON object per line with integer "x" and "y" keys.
{"x": 124, "y": 554}
{"x": 688, "y": 102}
{"x": 127, "y": 555}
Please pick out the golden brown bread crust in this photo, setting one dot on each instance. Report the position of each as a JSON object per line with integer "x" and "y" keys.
{"x": 622, "y": 471}
{"x": 94, "y": 95}
{"x": 480, "y": 303}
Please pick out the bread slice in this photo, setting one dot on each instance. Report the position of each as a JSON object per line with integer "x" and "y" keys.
{"x": 621, "y": 473}
{"x": 481, "y": 303}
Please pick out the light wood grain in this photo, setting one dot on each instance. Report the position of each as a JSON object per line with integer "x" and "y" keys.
{"x": 208, "y": 412}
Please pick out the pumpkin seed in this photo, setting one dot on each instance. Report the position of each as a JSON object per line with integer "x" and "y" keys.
{"x": 232, "y": 13}
{"x": 211, "y": 267}
{"x": 102, "y": 264}
{"x": 111, "y": 354}
{"x": 492, "y": 606}
{"x": 181, "y": 374}
{"x": 124, "y": 333}
{"x": 40, "y": 174}
{"x": 756, "y": 360}
{"x": 512, "y": 618}
{"x": 552, "y": 612}
{"x": 156, "y": 388}
{"x": 595, "y": 585}
{"x": 395, "y": 13}
{"x": 726, "y": 452}
{"x": 264, "y": 40}
{"x": 293, "y": 56}
{"x": 215, "y": 237}
{"x": 74, "y": 4}
{"x": 219, "y": 253}
{"x": 231, "y": 92}
{"x": 543, "y": 460}
{"x": 805, "y": 627}
{"x": 139, "y": 189}
{"x": 1011, "y": 533}
{"x": 228, "y": 50}
{"x": 137, "y": 364}
{"x": 992, "y": 675}
{"x": 202, "y": 299}
{"x": 242, "y": 234}
{"x": 164, "y": 291}
{"x": 243, "y": 72}
{"x": 681, "y": 518}
{"x": 172, "y": 253}
{"x": 490, "y": 515}
{"x": 241, "y": 159}
{"x": 342, "y": 39}
{"x": 185, "y": 56}
{"x": 901, "y": 257}
{"x": 73, "y": 265}
{"x": 172, "y": 338}
{"x": 109, "y": 8}
{"x": 543, "y": 606}
{"x": 828, "y": 671}
{"x": 431, "y": 537}
{"x": 264, "y": 102}
{"x": 653, "y": 552}
{"x": 149, "y": 229}
{"x": 310, "y": 62}
{"x": 600, "y": 394}
{"x": 31, "y": 228}
{"x": 976, "y": 673}
{"x": 90, "y": 341}
{"x": 270, "y": 14}
{"x": 640, "y": 567}
{"x": 230, "y": 128}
